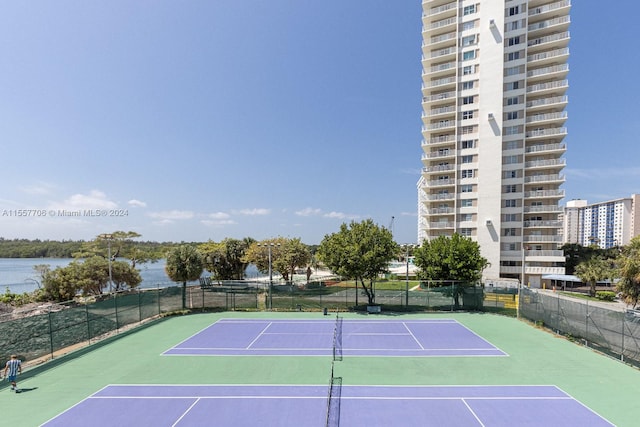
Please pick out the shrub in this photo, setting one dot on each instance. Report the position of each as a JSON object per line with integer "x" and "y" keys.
{"x": 606, "y": 295}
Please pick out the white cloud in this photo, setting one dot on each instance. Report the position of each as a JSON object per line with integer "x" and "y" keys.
{"x": 165, "y": 216}
{"x": 255, "y": 211}
{"x": 219, "y": 216}
{"x": 136, "y": 203}
{"x": 408, "y": 213}
{"x": 309, "y": 212}
{"x": 218, "y": 222}
{"x": 340, "y": 215}
{"x": 94, "y": 200}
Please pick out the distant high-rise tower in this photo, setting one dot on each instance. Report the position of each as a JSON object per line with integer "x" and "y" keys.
{"x": 494, "y": 82}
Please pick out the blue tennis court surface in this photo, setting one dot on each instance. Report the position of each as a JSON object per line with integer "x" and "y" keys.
{"x": 306, "y": 406}
{"x": 435, "y": 337}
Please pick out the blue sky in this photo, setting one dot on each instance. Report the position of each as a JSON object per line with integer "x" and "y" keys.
{"x": 202, "y": 120}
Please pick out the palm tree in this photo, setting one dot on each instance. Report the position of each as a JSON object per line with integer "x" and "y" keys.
{"x": 592, "y": 271}
{"x": 184, "y": 264}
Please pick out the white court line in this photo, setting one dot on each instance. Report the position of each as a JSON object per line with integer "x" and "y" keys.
{"x": 472, "y": 413}
{"x": 582, "y": 404}
{"x": 185, "y": 413}
{"x": 259, "y": 335}
{"x": 411, "y": 333}
{"x": 482, "y": 338}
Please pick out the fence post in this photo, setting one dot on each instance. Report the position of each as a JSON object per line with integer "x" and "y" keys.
{"x": 115, "y": 306}
{"x": 622, "y": 349}
{"x": 586, "y": 329}
{"x": 86, "y": 310}
{"x": 50, "y": 331}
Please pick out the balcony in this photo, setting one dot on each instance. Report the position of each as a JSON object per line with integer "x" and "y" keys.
{"x": 549, "y": 57}
{"x": 440, "y": 69}
{"x": 438, "y": 168}
{"x": 449, "y": 9}
{"x": 543, "y": 224}
{"x": 543, "y": 239}
{"x": 546, "y": 149}
{"x": 543, "y": 209}
{"x": 440, "y": 25}
{"x": 442, "y": 182}
{"x": 439, "y": 141}
{"x": 548, "y": 102}
{"x": 450, "y": 109}
{"x": 560, "y": 23}
{"x": 544, "y": 194}
{"x": 440, "y": 211}
{"x": 552, "y": 41}
{"x": 551, "y": 72}
{"x": 442, "y": 38}
{"x": 440, "y": 154}
{"x": 558, "y": 86}
{"x": 543, "y": 253}
{"x": 439, "y": 97}
{"x": 439, "y": 83}
{"x": 547, "y": 133}
{"x": 559, "y": 117}
{"x": 441, "y": 224}
{"x": 548, "y": 10}
{"x": 544, "y": 179}
{"x": 439, "y": 197}
{"x": 546, "y": 164}
{"x": 444, "y": 124}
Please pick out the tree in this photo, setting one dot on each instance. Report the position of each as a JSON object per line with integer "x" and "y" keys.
{"x": 226, "y": 260}
{"x": 456, "y": 258}
{"x": 360, "y": 251}
{"x": 594, "y": 270}
{"x": 629, "y": 272}
{"x": 293, "y": 254}
{"x": 184, "y": 264}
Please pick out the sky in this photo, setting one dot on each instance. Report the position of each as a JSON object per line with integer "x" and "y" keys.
{"x": 211, "y": 119}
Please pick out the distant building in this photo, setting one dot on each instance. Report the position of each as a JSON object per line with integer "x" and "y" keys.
{"x": 605, "y": 224}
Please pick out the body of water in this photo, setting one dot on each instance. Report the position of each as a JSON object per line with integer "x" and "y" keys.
{"x": 18, "y": 275}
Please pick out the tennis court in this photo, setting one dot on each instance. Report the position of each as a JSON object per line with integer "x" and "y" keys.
{"x": 535, "y": 378}
{"x": 293, "y": 337}
{"x": 305, "y": 406}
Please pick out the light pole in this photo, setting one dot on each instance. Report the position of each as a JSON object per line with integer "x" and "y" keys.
{"x": 108, "y": 238}
{"x": 269, "y": 246}
{"x": 406, "y": 290}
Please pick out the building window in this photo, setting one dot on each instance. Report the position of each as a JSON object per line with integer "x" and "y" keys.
{"x": 512, "y": 115}
{"x": 466, "y": 56}
{"x": 466, "y": 217}
{"x": 513, "y": 100}
{"x": 510, "y": 174}
{"x": 511, "y": 26}
{"x": 466, "y": 203}
{"x": 465, "y": 130}
{"x": 512, "y": 56}
{"x": 468, "y": 69}
{"x": 513, "y": 71}
{"x": 511, "y": 145}
{"x": 468, "y": 40}
{"x": 510, "y": 217}
{"x": 512, "y": 41}
{"x": 510, "y": 203}
{"x": 512, "y": 85}
{"x": 466, "y": 115}
{"x": 512, "y": 130}
{"x": 467, "y": 188}
{"x": 468, "y": 10}
{"x": 467, "y": 173}
{"x": 470, "y": 25}
{"x": 510, "y": 232}
{"x": 511, "y": 188}
{"x": 467, "y": 159}
{"x": 467, "y": 100}
{"x": 510, "y": 160}
{"x": 513, "y": 10}
{"x": 467, "y": 85}
{"x": 468, "y": 143}
{"x": 465, "y": 232}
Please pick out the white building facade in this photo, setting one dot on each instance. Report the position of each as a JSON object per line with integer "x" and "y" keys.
{"x": 494, "y": 82}
{"x": 606, "y": 224}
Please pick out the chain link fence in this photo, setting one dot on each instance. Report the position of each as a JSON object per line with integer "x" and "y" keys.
{"x": 48, "y": 330}
{"x": 611, "y": 330}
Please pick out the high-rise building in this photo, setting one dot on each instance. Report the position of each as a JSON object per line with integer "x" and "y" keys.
{"x": 494, "y": 82}
{"x": 605, "y": 224}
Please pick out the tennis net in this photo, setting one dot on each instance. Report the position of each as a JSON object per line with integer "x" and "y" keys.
{"x": 337, "y": 338}
{"x": 333, "y": 400}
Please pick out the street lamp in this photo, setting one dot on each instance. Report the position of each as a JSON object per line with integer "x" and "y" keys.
{"x": 406, "y": 258}
{"x": 108, "y": 238}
